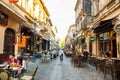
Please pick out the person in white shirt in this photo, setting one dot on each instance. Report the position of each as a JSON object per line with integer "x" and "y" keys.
{"x": 23, "y": 64}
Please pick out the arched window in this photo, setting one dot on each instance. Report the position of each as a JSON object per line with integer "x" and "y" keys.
{"x": 9, "y": 40}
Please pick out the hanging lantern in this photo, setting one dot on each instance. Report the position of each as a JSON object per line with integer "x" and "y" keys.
{"x": 19, "y": 44}
{"x": 13, "y": 1}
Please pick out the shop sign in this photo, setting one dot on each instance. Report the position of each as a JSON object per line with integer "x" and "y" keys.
{"x": 101, "y": 38}
{"x": 92, "y": 38}
{"x": 117, "y": 28}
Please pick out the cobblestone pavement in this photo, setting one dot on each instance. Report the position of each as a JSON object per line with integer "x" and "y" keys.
{"x": 56, "y": 70}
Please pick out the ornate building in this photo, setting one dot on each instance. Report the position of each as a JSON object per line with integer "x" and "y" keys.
{"x": 23, "y": 25}
{"x": 97, "y": 26}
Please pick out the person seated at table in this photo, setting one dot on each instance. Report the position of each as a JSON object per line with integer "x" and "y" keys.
{"x": 23, "y": 65}
{"x": 12, "y": 61}
{"x": 107, "y": 54}
{"x": 86, "y": 54}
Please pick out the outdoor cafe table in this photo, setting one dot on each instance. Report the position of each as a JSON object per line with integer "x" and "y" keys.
{"x": 14, "y": 70}
{"x": 11, "y": 70}
{"x": 2, "y": 65}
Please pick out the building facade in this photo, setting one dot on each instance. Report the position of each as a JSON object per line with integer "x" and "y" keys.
{"x": 70, "y": 38}
{"x": 98, "y": 26}
{"x": 22, "y": 25}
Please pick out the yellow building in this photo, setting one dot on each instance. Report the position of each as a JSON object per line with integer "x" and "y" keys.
{"x": 106, "y": 16}
{"x": 97, "y": 24}
{"x": 19, "y": 27}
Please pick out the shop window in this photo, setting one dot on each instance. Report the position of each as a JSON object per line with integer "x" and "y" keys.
{"x": 104, "y": 43}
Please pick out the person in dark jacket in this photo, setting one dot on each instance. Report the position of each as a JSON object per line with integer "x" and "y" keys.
{"x": 61, "y": 57}
{"x": 86, "y": 54}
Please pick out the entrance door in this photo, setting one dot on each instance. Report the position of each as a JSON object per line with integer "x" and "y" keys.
{"x": 90, "y": 48}
{"x": 114, "y": 45}
{"x": 9, "y": 41}
{"x": 114, "y": 51}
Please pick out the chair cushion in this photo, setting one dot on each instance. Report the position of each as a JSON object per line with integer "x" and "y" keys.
{"x": 4, "y": 76}
{"x": 26, "y": 77}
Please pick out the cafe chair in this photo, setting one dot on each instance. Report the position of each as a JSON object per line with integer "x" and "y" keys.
{"x": 4, "y": 75}
{"x": 116, "y": 70}
{"x": 27, "y": 76}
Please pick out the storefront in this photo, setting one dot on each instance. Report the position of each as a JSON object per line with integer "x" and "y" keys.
{"x": 25, "y": 39}
{"x": 9, "y": 28}
{"x": 45, "y": 44}
{"x": 106, "y": 38}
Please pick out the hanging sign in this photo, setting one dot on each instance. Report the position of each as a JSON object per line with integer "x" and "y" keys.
{"x": 101, "y": 38}
{"x": 23, "y": 41}
{"x": 92, "y": 38}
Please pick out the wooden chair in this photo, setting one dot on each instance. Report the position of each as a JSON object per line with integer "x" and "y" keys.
{"x": 27, "y": 76}
{"x": 107, "y": 69}
{"x": 116, "y": 70}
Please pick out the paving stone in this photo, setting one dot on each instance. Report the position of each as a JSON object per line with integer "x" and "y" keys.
{"x": 56, "y": 70}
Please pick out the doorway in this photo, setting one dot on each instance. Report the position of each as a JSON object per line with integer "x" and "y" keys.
{"x": 114, "y": 45}
{"x": 9, "y": 40}
{"x": 114, "y": 51}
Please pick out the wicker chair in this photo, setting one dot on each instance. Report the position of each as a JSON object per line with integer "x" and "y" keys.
{"x": 4, "y": 75}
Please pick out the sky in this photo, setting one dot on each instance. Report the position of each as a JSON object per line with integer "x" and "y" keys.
{"x": 62, "y": 14}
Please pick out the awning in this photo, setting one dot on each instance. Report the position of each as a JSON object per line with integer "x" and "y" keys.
{"x": 104, "y": 26}
{"x": 36, "y": 33}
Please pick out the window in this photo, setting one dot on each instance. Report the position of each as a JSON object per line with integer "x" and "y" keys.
{"x": 3, "y": 18}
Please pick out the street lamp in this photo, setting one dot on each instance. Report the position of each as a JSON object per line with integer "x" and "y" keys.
{"x": 34, "y": 48}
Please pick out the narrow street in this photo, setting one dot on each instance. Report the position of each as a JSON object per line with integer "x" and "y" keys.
{"x": 33, "y": 31}
{"x": 56, "y": 70}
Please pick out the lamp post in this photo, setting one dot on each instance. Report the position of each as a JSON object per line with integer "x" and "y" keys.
{"x": 34, "y": 48}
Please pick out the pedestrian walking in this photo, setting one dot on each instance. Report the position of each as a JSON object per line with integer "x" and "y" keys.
{"x": 61, "y": 57}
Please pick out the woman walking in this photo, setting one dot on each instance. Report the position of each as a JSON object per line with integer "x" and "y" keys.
{"x": 61, "y": 57}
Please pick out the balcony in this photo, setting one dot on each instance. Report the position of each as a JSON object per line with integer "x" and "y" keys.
{"x": 87, "y": 20}
{"x": 43, "y": 27}
{"x": 12, "y": 10}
